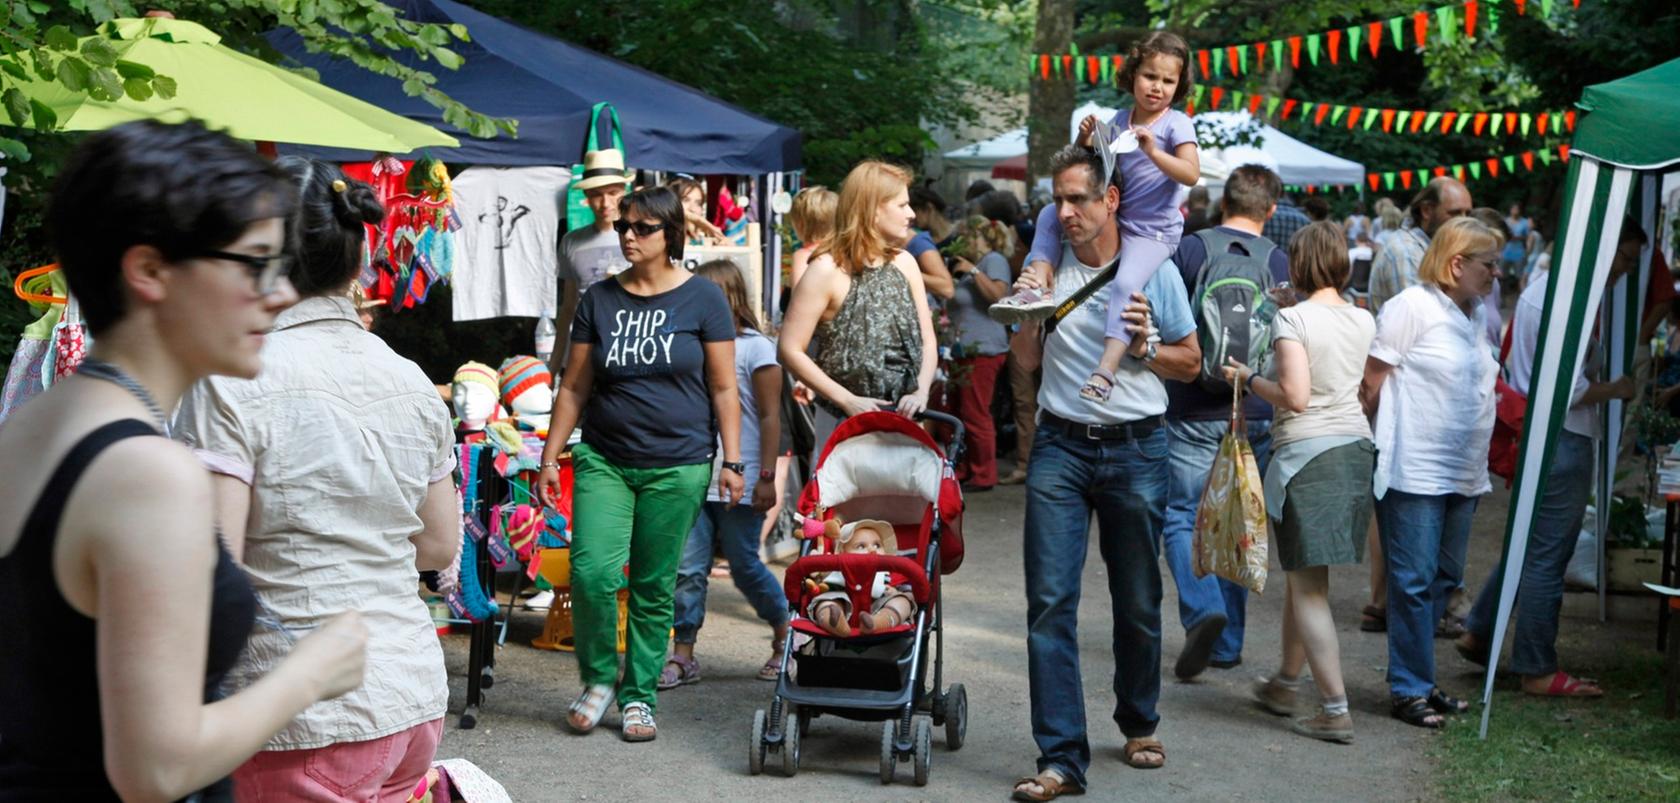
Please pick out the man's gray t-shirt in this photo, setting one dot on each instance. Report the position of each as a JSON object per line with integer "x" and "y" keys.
{"x": 588, "y": 255}
{"x": 978, "y": 334}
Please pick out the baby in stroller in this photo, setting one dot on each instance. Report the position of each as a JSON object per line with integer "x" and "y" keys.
{"x": 831, "y": 608}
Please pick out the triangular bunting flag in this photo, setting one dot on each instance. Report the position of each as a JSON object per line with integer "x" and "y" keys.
{"x": 1525, "y": 117}
{"x": 1420, "y": 28}
{"x": 1406, "y": 179}
{"x": 1295, "y": 52}
{"x": 1423, "y": 178}
{"x": 1231, "y": 59}
{"x": 1336, "y": 115}
{"x": 1044, "y": 67}
{"x": 1470, "y": 20}
{"x": 1475, "y": 169}
{"x": 1353, "y": 117}
{"x": 1254, "y": 102}
{"x": 1277, "y": 54}
{"x": 1214, "y": 96}
{"x": 1202, "y": 61}
{"x": 1458, "y": 172}
{"x": 1190, "y": 108}
{"x": 1417, "y": 120}
{"x": 1218, "y": 60}
{"x": 1462, "y": 119}
{"x": 1388, "y": 180}
{"x": 1493, "y": 167}
{"x": 1105, "y": 69}
{"x": 1510, "y": 122}
{"x": 1447, "y": 119}
{"x": 1563, "y": 152}
{"x": 1242, "y": 58}
{"x": 1510, "y": 164}
{"x": 1288, "y": 106}
{"x": 1067, "y": 65}
{"x": 1405, "y": 117}
{"x": 1394, "y": 28}
{"x": 1372, "y": 178}
{"x": 1373, "y": 37}
{"x": 1259, "y": 56}
{"x": 1079, "y": 69}
{"x": 1312, "y": 48}
{"x": 1528, "y": 160}
{"x": 1481, "y": 121}
{"x": 1521, "y": 7}
{"x": 1546, "y": 8}
{"x": 1323, "y": 109}
{"x": 1370, "y": 115}
{"x": 1429, "y": 121}
{"x": 1353, "y": 41}
{"x": 1236, "y": 100}
{"x": 1388, "y": 120}
{"x": 1272, "y": 106}
{"x": 1542, "y": 122}
{"x": 1119, "y": 64}
{"x": 1439, "y": 171}
{"x": 1545, "y": 156}
{"x": 1196, "y": 93}
{"x": 1495, "y": 120}
{"x": 1569, "y": 119}
{"x": 1444, "y": 20}
{"x": 1093, "y": 68}
{"x": 1335, "y": 45}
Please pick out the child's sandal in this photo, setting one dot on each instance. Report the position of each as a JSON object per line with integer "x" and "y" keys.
{"x": 1098, "y": 387}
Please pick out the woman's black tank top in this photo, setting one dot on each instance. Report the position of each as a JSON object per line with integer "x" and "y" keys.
{"x": 51, "y": 746}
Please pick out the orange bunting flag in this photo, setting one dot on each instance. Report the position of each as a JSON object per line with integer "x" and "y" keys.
{"x": 1481, "y": 122}
{"x": 1295, "y": 52}
{"x": 1190, "y": 107}
{"x": 1318, "y": 117}
{"x": 1372, "y": 179}
{"x": 1493, "y": 167}
{"x": 1406, "y": 179}
{"x": 1353, "y": 117}
{"x": 1254, "y": 102}
{"x": 1439, "y": 171}
{"x": 1067, "y": 65}
{"x": 1470, "y": 19}
{"x": 1417, "y": 120}
{"x": 1231, "y": 59}
{"x": 1288, "y": 106}
{"x": 1335, "y": 46}
{"x": 1202, "y": 59}
{"x": 1260, "y": 52}
{"x": 1510, "y": 122}
{"x": 1214, "y": 97}
{"x": 1569, "y": 119}
{"x": 1044, "y": 67}
{"x": 1373, "y": 36}
{"x": 1522, "y": 9}
{"x": 1542, "y": 121}
{"x": 1528, "y": 160}
{"x": 1388, "y": 120}
{"x": 1093, "y": 68}
{"x": 1420, "y": 27}
{"x": 1563, "y": 152}
{"x": 1447, "y": 119}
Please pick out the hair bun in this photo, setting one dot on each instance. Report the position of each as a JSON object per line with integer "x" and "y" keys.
{"x": 355, "y": 203}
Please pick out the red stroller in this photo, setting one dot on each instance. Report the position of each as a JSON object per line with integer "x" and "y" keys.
{"x": 882, "y": 466}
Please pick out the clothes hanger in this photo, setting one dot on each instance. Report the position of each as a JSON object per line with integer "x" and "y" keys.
{"x": 22, "y": 278}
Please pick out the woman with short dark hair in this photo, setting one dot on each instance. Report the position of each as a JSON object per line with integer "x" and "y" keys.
{"x": 339, "y": 419}
{"x": 123, "y": 610}
{"x": 651, "y": 374}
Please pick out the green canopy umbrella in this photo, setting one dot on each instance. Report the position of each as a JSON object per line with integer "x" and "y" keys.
{"x": 246, "y": 97}
{"x": 1618, "y": 162}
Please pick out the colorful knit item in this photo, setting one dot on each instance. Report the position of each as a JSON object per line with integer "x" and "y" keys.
{"x": 479, "y": 373}
{"x": 520, "y": 374}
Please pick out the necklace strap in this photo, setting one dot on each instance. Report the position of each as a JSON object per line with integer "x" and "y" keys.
{"x": 99, "y": 369}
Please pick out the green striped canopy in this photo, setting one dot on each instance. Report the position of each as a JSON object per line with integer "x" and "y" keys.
{"x": 1616, "y": 165}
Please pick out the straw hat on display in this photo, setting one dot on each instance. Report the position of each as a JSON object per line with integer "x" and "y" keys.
{"x": 602, "y": 168}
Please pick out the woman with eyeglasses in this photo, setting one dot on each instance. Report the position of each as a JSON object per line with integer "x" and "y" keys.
{"x": 1429, "y": 386}
{"x": 651, "y": 375}
{"x": 333, "y": 485}
{"x": 123, "y": 611}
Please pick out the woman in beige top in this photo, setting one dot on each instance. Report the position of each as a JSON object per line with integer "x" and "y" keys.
{"x": 334, "y": 488}
{"x": 1318, "y": 486}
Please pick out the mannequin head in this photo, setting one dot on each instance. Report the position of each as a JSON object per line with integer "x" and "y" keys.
{"x": 526, "y": 390}
{"x": 474, "y": 394}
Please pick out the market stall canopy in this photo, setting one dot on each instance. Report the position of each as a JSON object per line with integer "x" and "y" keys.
{"x": 1617, "y": 163}
{"x": 549, "y": 86}
{"x": 246, "y": 97}
{"x": 1295, "y": 161}
{"x": 982, "y": 155}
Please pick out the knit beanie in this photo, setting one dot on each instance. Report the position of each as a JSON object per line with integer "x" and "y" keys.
{"x": 520, "y": 374}
{"x": 476, "y": 372}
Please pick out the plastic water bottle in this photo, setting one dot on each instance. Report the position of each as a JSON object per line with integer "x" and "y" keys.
{"x": 545, "y": 336}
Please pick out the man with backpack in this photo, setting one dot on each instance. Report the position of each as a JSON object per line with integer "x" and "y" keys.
{"x": 1229, "y": 270}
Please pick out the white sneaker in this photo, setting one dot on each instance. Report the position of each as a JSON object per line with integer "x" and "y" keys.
{"x": 1032, "y": 304}
{"x": 539, "y": 601}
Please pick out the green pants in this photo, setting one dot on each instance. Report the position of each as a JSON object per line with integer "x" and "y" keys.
{"x": 639, "y": 516}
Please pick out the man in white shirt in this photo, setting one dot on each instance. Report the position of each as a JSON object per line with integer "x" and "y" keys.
{"x": 1568, "y": 485}
{"x": 1103, "y": 458}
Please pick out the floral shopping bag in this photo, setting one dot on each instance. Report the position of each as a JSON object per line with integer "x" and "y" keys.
{"x": 1230, "y": 536}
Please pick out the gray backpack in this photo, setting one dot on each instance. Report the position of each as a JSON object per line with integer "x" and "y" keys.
{"x": 1234, "y": 313}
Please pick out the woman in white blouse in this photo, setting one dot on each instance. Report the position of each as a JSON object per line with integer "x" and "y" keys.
{"x": 1429, "y": 385}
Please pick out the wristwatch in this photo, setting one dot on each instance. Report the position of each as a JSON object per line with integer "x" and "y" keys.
{"x": 737, "y": 467}
{"x": 1150, "y": 352}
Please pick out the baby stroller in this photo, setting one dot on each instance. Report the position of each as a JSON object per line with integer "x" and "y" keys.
{"x": 882, "y": 466}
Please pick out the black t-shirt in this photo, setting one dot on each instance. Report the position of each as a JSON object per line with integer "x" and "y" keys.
{"x": 650, "y": 406}
{"x": 1189, "y": 401}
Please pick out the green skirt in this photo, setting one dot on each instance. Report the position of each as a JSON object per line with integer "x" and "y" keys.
{"x": 1327, "y": 509}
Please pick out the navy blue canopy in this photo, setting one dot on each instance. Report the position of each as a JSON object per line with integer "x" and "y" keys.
{"x": 549, "y": 86}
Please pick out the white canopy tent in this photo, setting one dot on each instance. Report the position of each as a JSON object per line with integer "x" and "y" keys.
{"x": 982, "y": 155}
{"x": 1296, "y": 162}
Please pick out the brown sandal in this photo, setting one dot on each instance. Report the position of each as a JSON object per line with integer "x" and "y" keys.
{"x": 1145, "y": 744}
{"x": 1050, "y": 783}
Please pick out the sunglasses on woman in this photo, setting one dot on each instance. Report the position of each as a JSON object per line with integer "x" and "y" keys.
{"x": 266, "y": 271}
{"x": 641, "y": 227}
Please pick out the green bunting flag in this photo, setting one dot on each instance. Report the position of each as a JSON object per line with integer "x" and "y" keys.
{"x": 1272, "y": 105}
{"x": 1242, "y": 58}
{"x": 1079, "y": 69}
{"x": 1401, "y": 123}
{"x": 1475, "y": 169}
{"x": 1462, "y": 120}
{"x": 1394, "y": 27}
{"x": 1353, "y": 42}
{"x": 1422, "y": 177}
{"x": 1370, "y": 117}
{"x": 1277, "y": 54}
{"x": 1429, "y": 121}
{"x": 1336, "y": 115}
{"x": 1510, "y": 164}
{"x": 1218, "y": 60}
{"x": 1312, "y": 48}
{"x": 1444, "y": 19}
{"x": 1546, "y": 156}
{"x": 1526, "y": 119}
{"x": 1236, "y": 100}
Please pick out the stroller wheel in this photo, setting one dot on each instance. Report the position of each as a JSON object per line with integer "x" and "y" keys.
{"x": 790, "y": 746}
{"x": 924, "y": 750}
{"x": 956, "y": 716}
{"x": 755, "y": 748}
{"x": 889, "y": 756}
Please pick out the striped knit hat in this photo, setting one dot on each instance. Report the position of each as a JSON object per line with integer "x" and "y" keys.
{"x": 520, "y": 374}
{"x": 477, "y": 372}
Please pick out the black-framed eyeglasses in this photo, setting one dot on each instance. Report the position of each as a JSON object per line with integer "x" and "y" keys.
{"x": 266, "y": 271}
{"x": 641, "y": 227}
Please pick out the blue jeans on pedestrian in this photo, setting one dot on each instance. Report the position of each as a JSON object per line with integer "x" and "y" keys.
{"x": 1424, "y": 539}
{"x": 1551, "y": 543}
{"x": 735, "y": 530}
{"x": 1124, "y": 482}
{"x": 1191, "y": 448}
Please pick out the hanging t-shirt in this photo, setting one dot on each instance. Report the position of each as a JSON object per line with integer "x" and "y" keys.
{"x": 505, "y": 253}
{"x": 650, "y": 406}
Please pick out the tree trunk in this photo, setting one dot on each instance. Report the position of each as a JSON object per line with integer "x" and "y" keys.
{"x": 1049, "y": 103}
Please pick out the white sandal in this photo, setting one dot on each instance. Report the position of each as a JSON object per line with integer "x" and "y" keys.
{"x": 638, "y": 715}
{"x": 592, "y": 704}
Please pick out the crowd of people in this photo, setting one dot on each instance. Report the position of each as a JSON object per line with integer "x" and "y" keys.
{"x": 289, "y": 653}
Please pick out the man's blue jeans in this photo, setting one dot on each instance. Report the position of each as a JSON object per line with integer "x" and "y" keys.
{"x": 1424, "y": 539}
{"x": 1124, "y": 482}
{"x": 735, "y": 530}
{"x": 1191, "y": 448}
{"x": 1550, "y": 545}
